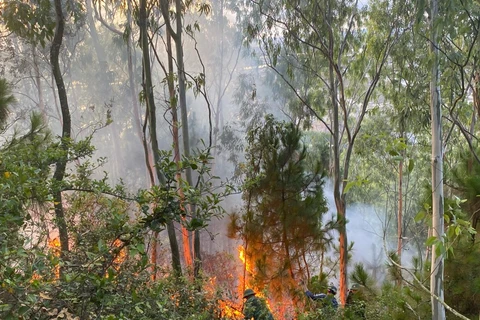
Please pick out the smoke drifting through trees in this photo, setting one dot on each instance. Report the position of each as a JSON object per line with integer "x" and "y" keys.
{"x": 101, "y": 64}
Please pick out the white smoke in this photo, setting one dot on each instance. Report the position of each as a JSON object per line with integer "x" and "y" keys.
{"x": 367, "y": 228}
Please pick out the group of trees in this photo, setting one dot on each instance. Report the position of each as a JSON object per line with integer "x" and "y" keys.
{"x": 118, "y": 132}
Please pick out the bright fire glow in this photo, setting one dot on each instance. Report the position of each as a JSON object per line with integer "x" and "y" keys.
{"x": 54, "y": 245}
{"x": 233, "y": 309}
{"x": 250, "y": 272}
{"x": 241, "y": 255}
{"x": 121, "y": 256}
{"x": 229, "y": 311}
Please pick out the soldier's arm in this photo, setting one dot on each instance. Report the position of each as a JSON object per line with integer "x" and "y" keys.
{"x": 315, "y": 296}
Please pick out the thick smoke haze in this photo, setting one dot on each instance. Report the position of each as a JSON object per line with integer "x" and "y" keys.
{"x": 370, "y": 230}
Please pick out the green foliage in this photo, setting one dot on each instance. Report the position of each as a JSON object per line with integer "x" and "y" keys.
{"x": 318, "y": 283}
{"x": 387, "y": 302}
{"x": 397, "y": 303}
{"x": 321, "y": 313}
{"x": 25, "y": 161}
{"x": 96, "y": 288}
{"x": 466, "y": 185}
{"x": 34, "y": 20}
{"x": 6, "y": 99}
{"x": 457, "y": 227}
{"x": 107, "y": 248}
{"x": 394, "y": 272}
{"x": 360, "y": 276}
{"x": 106, "y": 273}
{"x": 462, "y": 282}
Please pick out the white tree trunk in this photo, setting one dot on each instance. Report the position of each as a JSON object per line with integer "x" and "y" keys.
{"x": 436, "y": 277}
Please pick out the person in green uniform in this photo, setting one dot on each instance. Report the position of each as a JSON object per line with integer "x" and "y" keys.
{"x": 356, "y": 302}
{"x": 254, "y": 307}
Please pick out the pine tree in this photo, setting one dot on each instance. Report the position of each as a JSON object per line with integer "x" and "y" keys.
{"x": 282, "y": 220}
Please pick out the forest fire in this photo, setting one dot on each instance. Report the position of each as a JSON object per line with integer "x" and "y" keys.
{"x": 242, "y": 256}
{"x": 233, "y": 309}
{"x": 121, "y": 255}
{"x": 54, "y": 245}
{"x": 248, "y": 272}
{"x": 284, "y": 304}
{"x": 229, "y": 311}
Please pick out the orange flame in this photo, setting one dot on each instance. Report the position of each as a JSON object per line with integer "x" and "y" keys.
{"x": 121, "y": 256}
{"x": 229, "y": 311}
{"x": 54, "y": 245}
{"x": 245, "y": 261}
{"x": 250, "y": 270}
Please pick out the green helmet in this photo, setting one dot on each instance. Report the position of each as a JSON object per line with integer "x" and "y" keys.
{"x": 249, "y": 292}
{"x": 355, "y": 287}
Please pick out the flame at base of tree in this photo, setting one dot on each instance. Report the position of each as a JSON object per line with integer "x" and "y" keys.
{"x": 248, "y": 273}
{"x": 281, "y": 305}
{"x": 228, "y": 309}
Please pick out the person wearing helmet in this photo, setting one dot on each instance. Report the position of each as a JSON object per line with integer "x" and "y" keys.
{"x": 254, "y": 307}
{"x": 356, "y": 302}
{"x": 328, "y": 298}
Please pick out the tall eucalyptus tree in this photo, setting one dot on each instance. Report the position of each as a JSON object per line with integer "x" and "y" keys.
{"x": 152, "y": 117}
{"x": 176, "y": 124}
{"x": 61, "y": 164}
{"x": 176, "y": 32}
{"x": 438, "y": 229}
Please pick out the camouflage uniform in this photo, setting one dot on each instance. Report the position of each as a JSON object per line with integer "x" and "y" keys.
{"x": 355, "y": 303}
{"x": 255, "y": 308}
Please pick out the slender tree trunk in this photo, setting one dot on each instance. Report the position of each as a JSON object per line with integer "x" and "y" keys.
{"x": 148, "y": 87}
{"x": 286, "y": 242}
{"x": 476, "y": 92}
{"x": 337, "y": 186}
{"x": 132, "y": 82}
{"x": 61, "y": 164}
{"x": 400, "y": 206}
{"x": 476, "y": 111}
{"x": 428, "y": 251}
{"x": 176, "y": 148}
{"x": 400, "y": 217}
{"x": 185, "y": 130}
{"x": 287, "y": 252}
{"x": 171, "y": 34}
{"x": 100, "y": 52}
{"x": 437, "y": 269}
{"x": 307, "y": 269}
{"x": 154, "y": 254}
{"x": 134, "y": 94}
{"x": 38, "y": 84}
{"x": 151, "y": 112}
{"x": 218, "y": 108}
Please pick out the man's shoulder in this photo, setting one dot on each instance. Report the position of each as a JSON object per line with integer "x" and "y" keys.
{"x": 255, "y": 301}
